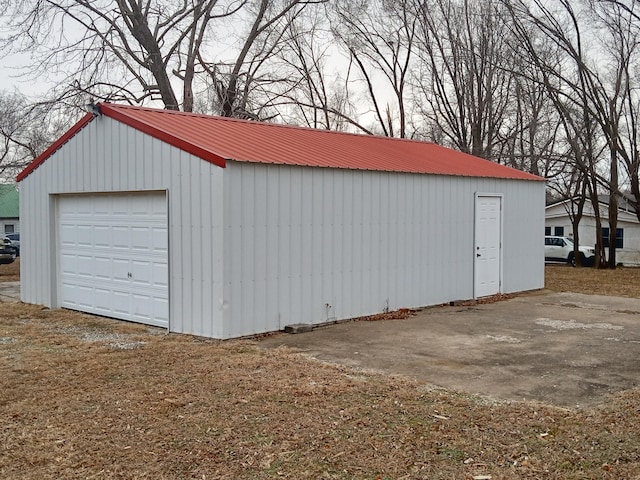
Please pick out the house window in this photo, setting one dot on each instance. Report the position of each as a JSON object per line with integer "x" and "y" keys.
{"x": 619, "y": 237}
{"x": 558, "y": 231}
{"x": 547, "y": 231}
{"x": 9, "y": 228}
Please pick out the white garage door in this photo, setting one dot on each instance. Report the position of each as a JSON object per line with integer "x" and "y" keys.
{"x": 113, "y": 258}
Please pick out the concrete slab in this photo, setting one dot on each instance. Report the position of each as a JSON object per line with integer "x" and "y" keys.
{"x": 9, "y": 292}
{"x": 563, "y": 349}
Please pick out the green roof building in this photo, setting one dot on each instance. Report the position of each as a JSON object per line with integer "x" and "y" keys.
{"x": 9, "y": 209}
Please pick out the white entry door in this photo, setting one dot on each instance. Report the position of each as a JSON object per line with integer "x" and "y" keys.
{"x": 488, "y": 221}
{"x": 113, "y": 256}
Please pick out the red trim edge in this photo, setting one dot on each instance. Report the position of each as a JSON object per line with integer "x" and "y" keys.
{"x": 163, "y": 135}
{"x": 54, "y": 146}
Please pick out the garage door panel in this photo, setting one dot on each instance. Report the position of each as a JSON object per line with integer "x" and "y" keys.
{"x": 68, "y": 263}
{"x": 150, "y": 309}
{"x": 121, "y": 269}
{"x": 102, "y": 265}
{"x": 102, "y": 300}
{"x": 114, "y": 257}
{"x": 160, "y": 275}
{"x": 102, "y": 236}
{"x": 83, "y": 294}
{"x": 83, "y": 235}
{"x": 143, "y": 273}
{"x": 120, "y": 237}
{"x": 140, "y": 237}
{"x": 160, "y": 239}
{"x": 69, "y": 292}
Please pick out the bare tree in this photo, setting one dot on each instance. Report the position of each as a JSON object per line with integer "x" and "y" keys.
{"x": 128, "y": 50}
{"x": 379, "y": 38}
{"x": 465, "y": 80}
{"x": 312, "y": 96}
{"x": 597, "y": 93}
{"x": 123, "y": 49}
{"x": 25, "y": 131}
{"x": 235, "y": 81}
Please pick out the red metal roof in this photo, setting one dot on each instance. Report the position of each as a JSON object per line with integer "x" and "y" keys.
{"x": 218, "y": 139}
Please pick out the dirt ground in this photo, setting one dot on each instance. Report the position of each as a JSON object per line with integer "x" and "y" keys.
{"x": 89, "y": 397}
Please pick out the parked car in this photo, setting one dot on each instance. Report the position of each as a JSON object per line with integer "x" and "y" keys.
{"x": 560, "y": 249}
{"x": 7, "y": 252}
{"x": 14, "y": 238}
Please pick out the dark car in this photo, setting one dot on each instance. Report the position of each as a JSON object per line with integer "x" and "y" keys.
{"x": 7, "y": 251}
{"x": 14, "y": 238}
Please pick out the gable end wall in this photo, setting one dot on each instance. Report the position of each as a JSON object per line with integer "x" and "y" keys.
{"x": 108, "y": 156}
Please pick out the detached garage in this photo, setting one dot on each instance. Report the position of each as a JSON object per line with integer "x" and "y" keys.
{"x": 225, "y": 228}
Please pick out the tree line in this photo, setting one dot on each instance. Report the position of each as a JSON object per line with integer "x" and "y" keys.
{"x": 549, "y": 87}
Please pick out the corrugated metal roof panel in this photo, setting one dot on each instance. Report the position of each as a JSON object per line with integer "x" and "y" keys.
{"x": 218, "y": 139}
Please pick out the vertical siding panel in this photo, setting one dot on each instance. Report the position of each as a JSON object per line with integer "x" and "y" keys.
{"x": 366, "y": 248}
{"x": 284, "y": 251}
{"x": 410, "y": 285}
{"x": 317, "y": 299}
{"x": 195, "y": 252}
{"x": 233, "y": 247}
{"x": 247, "y": 200}
{"x": 273, "y": 223}
{"x": 259, "y": 244}
{"x": 348, "y": 220}
{"x": 218, "y": 314}
{"x": 186, "y": 276}
{"x": 328, "y": 234}
{"x": 304, "y": 222}
{"x": 374, "y": 233}
{"x": 337, "y": 260}
{"x": 386, "y": 231}
{"x": 100, "y": 159}
{"x": 296, "y": 245}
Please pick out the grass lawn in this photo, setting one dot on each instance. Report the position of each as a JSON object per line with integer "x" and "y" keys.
{"x": 88, "y": 397}
{"x": 10, "y": 272}
{"x": 622, "y": 282}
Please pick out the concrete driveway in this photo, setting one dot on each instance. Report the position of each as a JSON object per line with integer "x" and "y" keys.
{"x": 9, "y": 292}
{"x": 564, "y": 349}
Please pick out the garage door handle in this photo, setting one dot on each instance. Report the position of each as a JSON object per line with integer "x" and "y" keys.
{"x": 478, "y": 255}
{"x": 129, "y": 275}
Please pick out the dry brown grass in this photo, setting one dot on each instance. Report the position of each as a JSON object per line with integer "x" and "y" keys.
{"x": 82, "y": 398}
{"x": 89, "y": 397}
{"x": 622, "y": 282}
{"x": 10, "y": 272}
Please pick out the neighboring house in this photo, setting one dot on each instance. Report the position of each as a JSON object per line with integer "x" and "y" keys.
{"x": 9, "y": 209}
{"x": 225, "y": 228}
{"x": 627, "y": 234}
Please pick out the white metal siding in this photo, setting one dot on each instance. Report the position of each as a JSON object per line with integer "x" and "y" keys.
{"x": 107, "y": 156}
{"x": 311, "y": 245}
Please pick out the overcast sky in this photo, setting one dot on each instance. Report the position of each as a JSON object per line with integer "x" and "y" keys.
{"x": 10, "y": 76}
